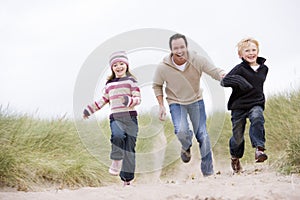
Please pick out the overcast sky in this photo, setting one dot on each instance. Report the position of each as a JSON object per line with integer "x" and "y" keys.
{"x": 44, "y": 44}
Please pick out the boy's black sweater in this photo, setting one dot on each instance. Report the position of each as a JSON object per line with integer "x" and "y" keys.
{"x": 247, "y": 85}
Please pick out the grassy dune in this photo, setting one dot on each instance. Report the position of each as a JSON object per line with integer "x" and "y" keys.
{"x": 37, "y": 152}
{"x": 283, "y": 131}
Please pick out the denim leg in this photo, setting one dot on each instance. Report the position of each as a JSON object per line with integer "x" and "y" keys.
{"x": 123, "y": 139}
{"x": 257, "y": 130}
{"x": 237, "y": 142}
{"x": 128, "y": 167}
{"x": 117, "y": 140}
{"x": 181, "y": 126}
{"x": 198, "y": 118}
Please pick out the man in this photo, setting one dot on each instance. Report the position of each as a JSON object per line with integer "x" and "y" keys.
{"x": 181, "y": 72}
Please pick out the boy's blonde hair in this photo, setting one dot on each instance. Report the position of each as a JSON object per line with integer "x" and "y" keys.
{"x": 245, "y": 43}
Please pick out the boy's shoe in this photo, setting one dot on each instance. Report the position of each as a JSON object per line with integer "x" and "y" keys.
{"x": 186, "y": 155}
{"x": 260, "y": 156}
{"x": 236, "y": 165}
{"x": 115, "y": 167}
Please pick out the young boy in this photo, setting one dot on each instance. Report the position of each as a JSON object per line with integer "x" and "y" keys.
{"x": 247, "y": 101}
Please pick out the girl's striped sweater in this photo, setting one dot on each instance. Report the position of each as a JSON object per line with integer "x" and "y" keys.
{"x": 121, "y": 93}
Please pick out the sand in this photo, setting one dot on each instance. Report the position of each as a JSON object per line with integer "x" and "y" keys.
{"x": 258, "y": 181}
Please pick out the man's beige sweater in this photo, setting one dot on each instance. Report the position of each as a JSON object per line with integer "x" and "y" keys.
{"x": 183, "y": 87}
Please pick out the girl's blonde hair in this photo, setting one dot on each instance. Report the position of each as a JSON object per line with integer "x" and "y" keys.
{"x": 245, "y": 43}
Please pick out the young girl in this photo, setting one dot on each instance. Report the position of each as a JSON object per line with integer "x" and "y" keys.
{"x": 247, "y": 101}
{"x": 123, "y": 94}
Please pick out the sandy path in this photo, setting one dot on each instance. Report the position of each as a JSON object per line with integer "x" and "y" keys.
{"x": 257, "y": 182}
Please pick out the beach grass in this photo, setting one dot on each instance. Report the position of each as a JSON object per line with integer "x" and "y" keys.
{"x": 54, "y": 153}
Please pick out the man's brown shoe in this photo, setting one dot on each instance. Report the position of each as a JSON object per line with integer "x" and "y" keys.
{"x": 236, "y": 165}
{"x": 186, "y": 155}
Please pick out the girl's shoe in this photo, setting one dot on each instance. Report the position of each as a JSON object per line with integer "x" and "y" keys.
{"x": 126, "y": 183}
{"x": 115, "y": 167}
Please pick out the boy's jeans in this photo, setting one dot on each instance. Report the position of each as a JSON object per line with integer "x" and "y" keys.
{"x": 123, "y": 141}
{"x": 256, "y": 132}
{"x": 196, "y": 112}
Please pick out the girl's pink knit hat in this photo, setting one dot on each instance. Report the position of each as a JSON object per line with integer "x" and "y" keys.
{"x": 118, "y": 56}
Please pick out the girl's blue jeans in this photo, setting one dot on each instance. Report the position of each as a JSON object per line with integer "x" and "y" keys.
{"x": 256, "y": 131}
{"x": 197, "y": 115}
{"x": 123, "y": 141}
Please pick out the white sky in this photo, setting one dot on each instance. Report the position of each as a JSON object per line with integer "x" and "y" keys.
{"x": 43, "y": 44}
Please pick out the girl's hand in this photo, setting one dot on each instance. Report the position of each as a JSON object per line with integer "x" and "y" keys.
{"x": 125, "y": 100}
{"x": 122, "y": 99}
{"x": 86, "y": 114}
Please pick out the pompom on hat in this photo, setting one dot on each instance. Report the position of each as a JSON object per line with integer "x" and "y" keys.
{"x": 118, "y": 56}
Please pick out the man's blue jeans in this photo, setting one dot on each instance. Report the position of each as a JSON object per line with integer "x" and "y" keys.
{"x": 256, "y": 132}
{"x": 197, "y": 115}
{"x": 123, "y": 141}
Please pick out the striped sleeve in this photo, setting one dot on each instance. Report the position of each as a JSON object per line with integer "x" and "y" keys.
{"x": 97, "y": 105}
{"x": 103, "y": 100}
{"x": 134, "y": 98}
{"x": 136, "y": 94}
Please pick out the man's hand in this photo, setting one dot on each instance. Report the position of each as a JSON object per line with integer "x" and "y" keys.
{"x": 162, "y": 113}
{"x": 223, "y": 75}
